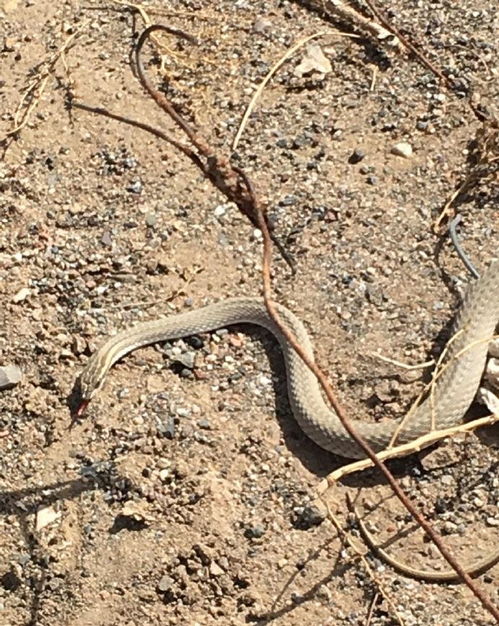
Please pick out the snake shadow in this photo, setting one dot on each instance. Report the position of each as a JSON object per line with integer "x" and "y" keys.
{"x": 315, "y": 459}
{"x": 321, "y": 462}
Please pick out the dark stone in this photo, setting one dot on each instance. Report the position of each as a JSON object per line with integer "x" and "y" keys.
{"x": 10, "y": 581}
{"x": 356, "y": 156}
{"x": 254, "y": 532}
{"x": 307, "y": 517}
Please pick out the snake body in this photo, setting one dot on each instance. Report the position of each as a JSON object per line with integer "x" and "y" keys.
{"x": 452, "y": 394}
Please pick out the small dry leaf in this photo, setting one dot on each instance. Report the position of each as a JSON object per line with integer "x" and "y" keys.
{"x": 314, "y": 60}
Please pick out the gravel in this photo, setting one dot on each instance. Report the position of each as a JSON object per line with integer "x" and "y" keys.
{"x": 103, "y": 226}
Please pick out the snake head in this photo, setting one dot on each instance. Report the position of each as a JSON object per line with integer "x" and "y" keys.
{"x": 88, "y": 383}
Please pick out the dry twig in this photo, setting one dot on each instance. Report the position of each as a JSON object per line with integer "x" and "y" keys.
{"x": 409, "y": 368}
{"x": 347, "y": 13}
{"x": 345, "y": 537}
{"x": 287, "y": 55}
{"x": 404, "y": 449}
{"x": 36, "y": 86}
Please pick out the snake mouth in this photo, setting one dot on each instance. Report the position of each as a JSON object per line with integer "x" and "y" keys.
{"x": 79, "y": 411}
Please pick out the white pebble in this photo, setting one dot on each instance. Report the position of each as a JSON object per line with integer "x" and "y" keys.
{"x": 402, "y": 149}
{"x": 219, "y": 210}
{"x": 21, "y": 295}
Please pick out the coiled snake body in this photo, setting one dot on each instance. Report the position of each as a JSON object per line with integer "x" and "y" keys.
{"x": 452, "y": 393}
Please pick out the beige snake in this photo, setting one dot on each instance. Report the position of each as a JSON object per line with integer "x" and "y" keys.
{"x": 453, "y": 391}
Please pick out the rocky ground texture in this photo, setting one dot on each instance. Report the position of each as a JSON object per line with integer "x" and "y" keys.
{"x": 187, "y": 496}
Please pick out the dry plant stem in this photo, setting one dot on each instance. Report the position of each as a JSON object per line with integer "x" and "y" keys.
{"x": 351, "y": 15}
{"x": 345, "y": 537}
{"x": 404, "y": 366}
{"x": 447, "y": 576}
{"x": 158, "y": 97}
{"x": 147, "y": 127}
{"x": 230, "y": 180}
{"x": 37, "y": 86}
{"x": 370, "y": 612}
{"x": 287, "y": 55}
{"x": 217, "y": 168}
{"x": 405, "y": 449}
{"x": 407, "y": 44}
{"x": 437, "y": 540}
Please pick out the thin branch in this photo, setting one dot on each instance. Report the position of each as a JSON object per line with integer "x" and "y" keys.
{"x": 409, "y": 368}
{"x": 143, "y": 126}
{"x": 404, "y": 449}
{"x": 422, "y": 58}
{"x": 435, "y": 537}
{"x": 287, "y": 55}
{"x": 345, "y": 537}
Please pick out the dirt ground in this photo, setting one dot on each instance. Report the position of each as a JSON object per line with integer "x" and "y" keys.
{"x": 187, "y": 496}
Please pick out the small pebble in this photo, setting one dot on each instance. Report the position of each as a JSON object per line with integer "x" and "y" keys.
{"x": 134, "y": 187}
{"x": 165, "y": 583}
{"x": 215, "y": 569}
{"x": 10, "y": 376}
{"x": 151, "y": 219}
{"x": 402, "y": 149}
{"x": 356, "y": 156}
{"x": 45, "y": 516}
{"x": 167, "y": 428}
{"x": 195, "y": 341}
{"x": 254, "y": 532}
{"x": 308, "y": 516}
{"x": 21, "y": 295}
{"x": 186, "y": 359}
{"x": 219, "y": 210}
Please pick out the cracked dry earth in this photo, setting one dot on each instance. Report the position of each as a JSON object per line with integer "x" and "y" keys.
{"x": 187, "y": 495}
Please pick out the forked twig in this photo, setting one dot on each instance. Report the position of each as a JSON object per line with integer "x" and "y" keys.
{"x": 358, "y": 554}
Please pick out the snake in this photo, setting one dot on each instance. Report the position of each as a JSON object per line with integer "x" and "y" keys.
{"x": 452, "y": 391}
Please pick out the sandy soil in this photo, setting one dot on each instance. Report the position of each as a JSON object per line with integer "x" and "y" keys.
{"x": 182, "y": 499}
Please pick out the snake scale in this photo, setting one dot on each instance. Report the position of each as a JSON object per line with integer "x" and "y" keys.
{"x": 453, "y": 391}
